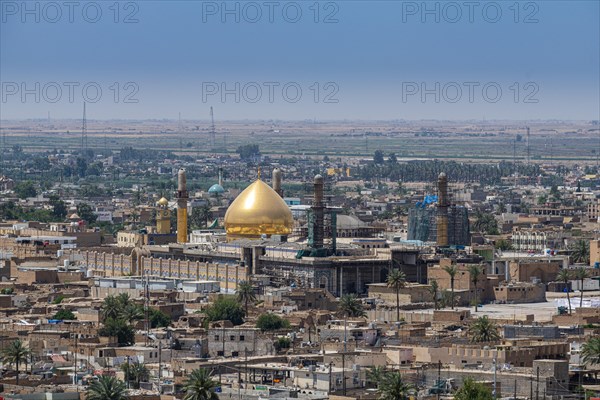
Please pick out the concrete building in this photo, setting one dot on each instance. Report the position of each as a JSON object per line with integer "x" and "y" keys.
{"x": 225, "y": 340}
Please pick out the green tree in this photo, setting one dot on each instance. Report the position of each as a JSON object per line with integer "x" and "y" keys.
{"x": 159, "y": 319}
{"x": 200, "y": 386}
{"x": 471, "y": 390}
{"x": 16, "y": 353}
{"x": 81, "y": 167}
{"x": 580, "y": 251}
{"x": 486, "y": 223}
{"x": 581, "y": 274}
{"x": 451, "y": 270}
{"x": 136, "y": 372}
{"x": 25, "y": 189}
{"x": 225, "y": 308}
{"x": 375, "y": 375}
{"x": 106, "y": 388}
{"x": 245, "y": 294}
{"x": 199, "y": 217}
{"x": 396, "y": 279}
{"x": 503, "y": 245}
{"x": 378, "y": 157}
{"x": 475, "y": 271}
{"x": 393, "y": 387}
{"x": 248, "y": 151}
{"x": 271, "y": 322}
{"x": 434, "y": 289}
{"x": 130, "y": 312}
{"x": 86, "y": 213}
{"x": 541, "y": 200}
{"x": 65, "y": 315}
{"x": 120, "y": 329}
{"x": 351, "y": 307}
{"x": 590, "y": 351}
{"x": 563, "y": 276}
{"x": 111, "y": 307}
{"x": 483, "y": 330}
{"x": 392, "y": 158}
{"x": 59, "y": 207}
{"x": 282, "y": 342}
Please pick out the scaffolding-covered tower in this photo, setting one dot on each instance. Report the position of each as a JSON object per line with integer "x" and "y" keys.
{"x": 440, "y": 222}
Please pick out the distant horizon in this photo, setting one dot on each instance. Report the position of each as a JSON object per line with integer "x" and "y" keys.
{"x": 306, "y": 120}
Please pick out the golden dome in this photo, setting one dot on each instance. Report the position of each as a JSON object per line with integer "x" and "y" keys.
{"x": 163, "y": 202}
{"x": 256, "y": 211}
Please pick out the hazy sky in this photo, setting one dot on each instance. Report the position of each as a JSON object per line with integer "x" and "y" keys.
{"x": 349, "y": 59}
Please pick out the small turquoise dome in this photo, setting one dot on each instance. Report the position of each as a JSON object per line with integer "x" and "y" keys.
{"x": 216, "y": 188}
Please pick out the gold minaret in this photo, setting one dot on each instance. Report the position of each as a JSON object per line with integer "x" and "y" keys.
{"x": 182, "y": 200}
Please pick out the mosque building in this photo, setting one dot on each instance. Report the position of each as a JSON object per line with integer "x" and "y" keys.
{"x": 258, "y": 224}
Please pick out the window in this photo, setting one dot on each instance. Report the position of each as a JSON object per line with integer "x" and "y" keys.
{"x": 216, "y": 337}
{"x": 234, "y": 354}
{"x": 232, "y": 338}
{"x": 242, "y": 338}
{"x": 220, "y": 353}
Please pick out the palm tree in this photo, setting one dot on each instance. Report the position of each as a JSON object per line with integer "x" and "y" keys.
{"x": 200, "y": 386}
{"x": 590, "y": 351}
{"x": 483, "y": 330}
{"x": 136, "y": 372}
{"x": 245, "y": 294}
{"x": 564, "y": 277}
{"x": 111, "y": 308}
{"x": 16, "y": 353}
{"x": 581, "y": 274}
{"x": 375, "y": 375}
{"x": 434, "y": 290}
{"x": 351, "y": 306}
{"x": 475, "y": 271}
{"x": 396, "y": 279}
{"x": 106, "y": 388}
{"x": 580, "y": 251}
{"x": 451, "y": 270}
{"x": 393, "y": 387}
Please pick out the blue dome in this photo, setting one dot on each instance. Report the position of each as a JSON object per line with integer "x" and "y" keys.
{"x": 216, "y": 188}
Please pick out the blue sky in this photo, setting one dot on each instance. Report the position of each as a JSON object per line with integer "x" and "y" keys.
{"x": 351, "y": 60}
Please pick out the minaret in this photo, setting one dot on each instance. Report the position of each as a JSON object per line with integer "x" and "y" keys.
{"x": 163, "y": 217}
{"x": 220, "y": 177}
{"x": 277, "y": 181}
{"x": 442, "y": 211}
{"x": 182, "y": 201}
{"x": 318, "y": 212}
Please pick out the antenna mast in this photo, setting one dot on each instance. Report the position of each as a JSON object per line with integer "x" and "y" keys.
{"x": 84, "y": 138}
{"x": 212, "y": 129}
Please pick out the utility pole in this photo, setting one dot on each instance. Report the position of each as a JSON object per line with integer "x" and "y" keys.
{"x": 531, "y": 386}
{"x": 515, "y": 394}
{"x": 330, "y": 388}
{"x": 75, "y": 365}
{"x": 159, "y": 366}
{"x": 537, "y": 384}
{"x": 344, "y": 372}
{"x": 439, "y": 377}
{"x": 495, "y": 382}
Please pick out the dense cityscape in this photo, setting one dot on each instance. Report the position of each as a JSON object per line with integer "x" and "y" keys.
{"x": 345, "y": 200}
